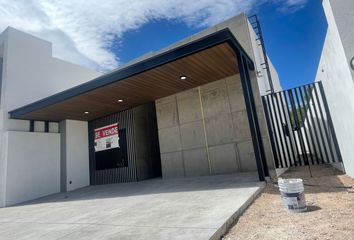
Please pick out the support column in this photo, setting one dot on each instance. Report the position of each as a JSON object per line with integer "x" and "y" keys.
{"x": 252, "y": 117}
{"x": 74, "y": 162}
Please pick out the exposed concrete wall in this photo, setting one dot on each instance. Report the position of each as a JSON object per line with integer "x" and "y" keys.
{"x": 177, "y": 153}
{"x": 205, "y": 131}
{"x": 32, "y": 167}
{"x": 337, "y": 81}
{"x": 259, "y": 59}
{"x": 275, "y": 77}
{"x": 244, "y": 33}
{"x": 74, "y": 155}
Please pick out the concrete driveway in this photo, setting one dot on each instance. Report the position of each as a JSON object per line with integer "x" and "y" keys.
{"x": 193, "y": 208}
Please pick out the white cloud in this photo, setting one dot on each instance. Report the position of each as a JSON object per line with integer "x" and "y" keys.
{"x": 290, "y": 6}
{"x": 83, "y": 30}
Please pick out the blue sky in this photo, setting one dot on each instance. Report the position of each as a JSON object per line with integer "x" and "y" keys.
{"x": 293, "y": 40}
{"x": 102, "y": 35}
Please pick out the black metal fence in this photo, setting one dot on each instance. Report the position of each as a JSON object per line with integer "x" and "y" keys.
{"x": 300, "y": 127}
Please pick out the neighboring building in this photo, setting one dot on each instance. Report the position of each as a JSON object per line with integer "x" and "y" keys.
{"x": 336, "y": 71}
{"x": 191, "y": 109}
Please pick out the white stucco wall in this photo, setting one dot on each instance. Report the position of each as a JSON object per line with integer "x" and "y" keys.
{"x": 74, "y": 155}
{"x": 33, "y": 165}
{"x": 343, "y": 12}
{"x": 335, "y": 74}
{"x": 29, "y": 73}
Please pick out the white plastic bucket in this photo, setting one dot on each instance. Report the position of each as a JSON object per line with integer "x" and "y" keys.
{"x": 292, "y": 194}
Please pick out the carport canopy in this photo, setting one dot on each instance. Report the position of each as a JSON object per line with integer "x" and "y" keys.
{"x": 210, "y": 58}
{"x": 205, "y": 60}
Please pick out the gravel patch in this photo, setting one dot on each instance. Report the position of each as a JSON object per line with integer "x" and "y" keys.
{"x": 330, "y": 215}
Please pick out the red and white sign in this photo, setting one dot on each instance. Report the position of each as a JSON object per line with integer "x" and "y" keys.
{"x": 106, "y": 137}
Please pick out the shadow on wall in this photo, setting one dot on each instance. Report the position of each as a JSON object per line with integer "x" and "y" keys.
{"x": 154, "y": 186}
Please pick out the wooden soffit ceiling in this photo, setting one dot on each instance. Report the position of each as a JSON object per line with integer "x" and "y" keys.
{"x": 203, "y": 67}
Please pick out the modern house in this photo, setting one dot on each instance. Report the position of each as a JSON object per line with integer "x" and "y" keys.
{"x": 336, "y": 72}
{"x": 191, "y": 109}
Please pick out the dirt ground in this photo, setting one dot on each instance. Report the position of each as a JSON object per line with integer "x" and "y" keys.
{"x": 330, "y": 214}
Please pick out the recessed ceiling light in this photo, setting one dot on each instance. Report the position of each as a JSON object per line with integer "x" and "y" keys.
{"x": 120, "y": 100}
{"x": 86, "y": 112}
{"x": 183, "y": 77}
